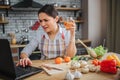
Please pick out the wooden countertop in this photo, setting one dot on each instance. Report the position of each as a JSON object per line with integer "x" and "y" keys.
{"x": 65, "y": 67}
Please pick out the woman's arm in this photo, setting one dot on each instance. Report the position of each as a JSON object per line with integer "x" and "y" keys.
{"x": 25, "y": 61}
{"x": 23, "y": 55}
{"x": 71, "y": 49}
{"x": 29, "y": 48}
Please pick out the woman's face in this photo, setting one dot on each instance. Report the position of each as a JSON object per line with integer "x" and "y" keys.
{"x": 48, "y": 23}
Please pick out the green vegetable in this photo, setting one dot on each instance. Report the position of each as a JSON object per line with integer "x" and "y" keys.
{"x": 100, "y": 50}
{"x": 75, "y": 58}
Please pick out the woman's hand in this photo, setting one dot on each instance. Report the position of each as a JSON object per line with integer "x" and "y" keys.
{"x": 71, "y": 26}
{"x": 24, "y": 62}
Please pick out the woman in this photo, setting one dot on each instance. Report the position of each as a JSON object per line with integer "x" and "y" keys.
{"x": 53, "y": 40}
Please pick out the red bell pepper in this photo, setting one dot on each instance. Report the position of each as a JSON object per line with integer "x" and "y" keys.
{"x": 108, "y": 66}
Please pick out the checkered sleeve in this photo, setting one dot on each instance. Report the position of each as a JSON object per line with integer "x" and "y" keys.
{"x": 29, "y": 48}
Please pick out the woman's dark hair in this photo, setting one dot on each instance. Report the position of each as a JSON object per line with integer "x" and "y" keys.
{"x": 49, "y": 9}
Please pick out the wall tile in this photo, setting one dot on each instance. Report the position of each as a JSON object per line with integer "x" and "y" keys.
{"x": 17, "y": 19}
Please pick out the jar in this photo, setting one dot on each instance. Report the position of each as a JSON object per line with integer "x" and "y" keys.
{"x": 2, "y": 17}
{"x": 13, "y": 41}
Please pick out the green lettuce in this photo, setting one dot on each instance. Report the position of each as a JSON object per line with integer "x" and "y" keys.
{"x": 100, "y": 50}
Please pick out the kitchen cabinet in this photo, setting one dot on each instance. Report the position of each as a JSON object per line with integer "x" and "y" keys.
{"x": 4, "y": 21}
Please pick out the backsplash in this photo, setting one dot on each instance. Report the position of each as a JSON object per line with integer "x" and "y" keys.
{"x": 21, "y": 20}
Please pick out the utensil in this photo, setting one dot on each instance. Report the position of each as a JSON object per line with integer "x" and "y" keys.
{"x": 45, "y": 70}
{"x": 16, "y": 31}
{"x": 51, "y": 67}
{"x": 90, "y": 51}
{"x": 104, "y": 41}
{"x": 26, "y": 30}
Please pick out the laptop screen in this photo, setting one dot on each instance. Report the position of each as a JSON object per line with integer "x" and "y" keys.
{"x": 7, "y": 66}
{"x": 6, "y": 62}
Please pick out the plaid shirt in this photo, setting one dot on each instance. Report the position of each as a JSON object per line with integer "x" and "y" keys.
{"x": 49, "y": 48}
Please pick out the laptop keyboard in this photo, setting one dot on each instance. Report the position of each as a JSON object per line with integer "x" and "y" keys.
{"x": 26, "y": 70}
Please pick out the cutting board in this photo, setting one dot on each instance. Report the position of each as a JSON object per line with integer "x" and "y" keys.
{"x": 62, "y": 66}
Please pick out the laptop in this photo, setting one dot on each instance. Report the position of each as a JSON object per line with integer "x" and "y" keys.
{"x": 7, "y": 65}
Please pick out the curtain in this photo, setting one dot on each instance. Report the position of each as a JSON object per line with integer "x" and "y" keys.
{"x": 113, "y": 28}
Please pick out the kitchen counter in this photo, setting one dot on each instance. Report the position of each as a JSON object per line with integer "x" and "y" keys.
{"x": 65, "y": 67}
{"x": 61, "y": 75}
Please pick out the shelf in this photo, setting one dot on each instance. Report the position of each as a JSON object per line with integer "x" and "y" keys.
{"x": 77, "y": 21}
{"x": 24, "y": 9}
{"x": 58, "y": 8}
{"x": 68, "y": 8}
{"x": 3, "y": 22}
{"x": 84, "y": 41}
{"x": 35, "y": 52}
{"x": 4, "y": 7}
{"x": 18, "y": 45}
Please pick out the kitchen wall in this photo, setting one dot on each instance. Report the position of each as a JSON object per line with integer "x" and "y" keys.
{"x": 97, "y": 21}
{"x": 20, "y": 20}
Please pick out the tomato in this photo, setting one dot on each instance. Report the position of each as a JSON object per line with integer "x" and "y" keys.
{"x": 58, "y": 60}
{"x": 67, "y": 59}
{"x": 96, "y": 62}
